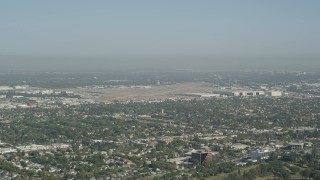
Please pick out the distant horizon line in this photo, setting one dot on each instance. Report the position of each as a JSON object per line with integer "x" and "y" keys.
{"x": 148, "y": 56}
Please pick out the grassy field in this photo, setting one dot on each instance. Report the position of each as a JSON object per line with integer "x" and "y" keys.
{"x": 295, "y": 176}
{"x": 222, "y": 176}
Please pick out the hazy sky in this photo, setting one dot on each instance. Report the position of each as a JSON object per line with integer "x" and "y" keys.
{"x": 233, "y": 31}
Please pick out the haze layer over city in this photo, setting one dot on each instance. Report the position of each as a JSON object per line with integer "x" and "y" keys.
{"x": 156, "y": 90}
{"x": 210, "y": 35}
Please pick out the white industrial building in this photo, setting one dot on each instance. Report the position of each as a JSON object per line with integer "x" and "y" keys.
{"x": 263, "y": 153}
{"x": 23, "y": 87}
{"x": 248, "y": 93}
{"x": 276, "y": 93}
{"x": 5, "y": 88}
{"x": 257, "y": 93}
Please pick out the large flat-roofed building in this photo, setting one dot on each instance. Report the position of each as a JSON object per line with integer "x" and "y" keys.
{"x": 201, "y": 156}
{"x": 5, "y": 88}
{"x": 297, "y": 146}
{"x": 263, "y": 153}
{"x": 248, "y": 93}
{"x": 257, "y": 93}
{"x": 276, "y": 93}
